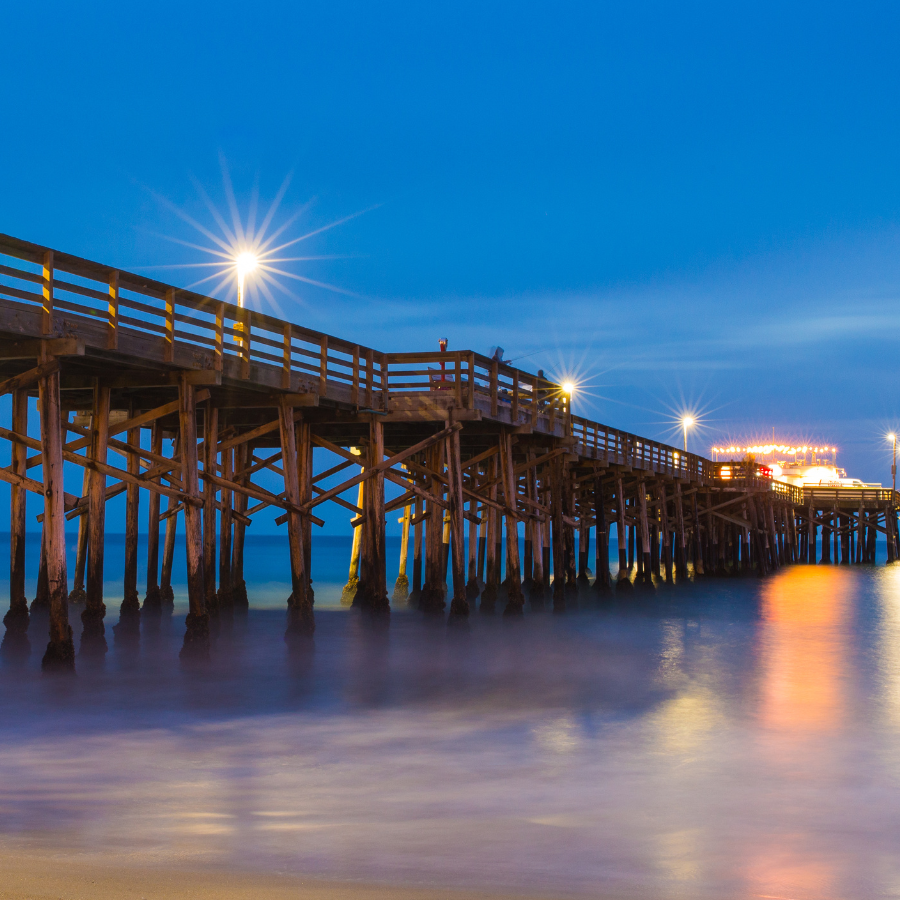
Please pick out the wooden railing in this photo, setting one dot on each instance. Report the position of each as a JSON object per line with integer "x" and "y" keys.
{"x": 124, "y": 312}
{"x": 856, "y": 495}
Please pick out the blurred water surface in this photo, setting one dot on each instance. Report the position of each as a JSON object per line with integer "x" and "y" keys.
{"x": 735, "y": 738}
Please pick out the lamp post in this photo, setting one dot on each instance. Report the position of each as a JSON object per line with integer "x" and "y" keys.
{"x": 245, "y": 263}
{"x": 686, "y": 422}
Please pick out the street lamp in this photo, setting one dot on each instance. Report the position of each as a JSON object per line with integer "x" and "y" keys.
{"x": 893, "y": 439}
{"x": 245, "y": 263}
{"x": 686, "y": 422}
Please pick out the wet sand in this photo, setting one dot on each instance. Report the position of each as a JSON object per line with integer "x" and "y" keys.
{"x": 55, "y": 877}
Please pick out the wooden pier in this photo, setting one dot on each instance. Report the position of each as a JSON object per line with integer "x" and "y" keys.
{"x": 197, "y": 396}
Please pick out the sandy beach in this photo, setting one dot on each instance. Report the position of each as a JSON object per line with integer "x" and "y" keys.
{"x": 59, "y": 877}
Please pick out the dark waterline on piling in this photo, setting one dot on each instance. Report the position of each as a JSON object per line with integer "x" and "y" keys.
{"x": 732, "y": 737}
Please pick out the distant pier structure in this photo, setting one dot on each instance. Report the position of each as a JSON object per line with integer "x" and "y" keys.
{"x": 190, "y": 397}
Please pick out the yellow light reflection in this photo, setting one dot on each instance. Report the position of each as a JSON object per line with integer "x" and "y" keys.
{"x": 805, "y": 612}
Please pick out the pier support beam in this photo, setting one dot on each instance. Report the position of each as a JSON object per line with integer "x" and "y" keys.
{"x": 601, "y": 542}
{"x": 94, "y": 608}
{"x": 300, "y": 612}
{"x": 153, "y": 599}
{"x": 196, "y": 637}
{"x": 16, "y": 620}
{"x": 131, "y": 604}
{"x": 60, "y": 653}
{"x": 210, "y": 454}
{"x": 459, "y": 605}
{"x": 515, "y": 600}
{"x": 242, "y": 456}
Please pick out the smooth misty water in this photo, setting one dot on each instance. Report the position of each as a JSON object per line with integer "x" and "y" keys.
{"x": 730, "y": 738}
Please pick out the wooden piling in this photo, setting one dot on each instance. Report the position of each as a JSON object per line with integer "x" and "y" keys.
{"x": 196, "y": 637}
{"x": 401, "y": 586}
{"x": 242, "y": 456}
{"x": 459, "y": 605}
{"x": 16, "y": 619}
{"x": 131, "y": 604}
{"x": 601, "y": 542}
{"x": 623, "y": 539}
{"x": 60, "y": 652}
{"x": 224, "y": 598}
{"x": 95, "y": 609}
{"x": 557, "y": 489}
{"x": 645, "y": 529}
{"x": 515, "y": 599}
{"x": 210, "y": 457}
{"x": 300, "y": 613}
{"x": 153, "y": 599}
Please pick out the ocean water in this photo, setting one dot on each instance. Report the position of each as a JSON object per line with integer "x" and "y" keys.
{"x": 724, "y": 738}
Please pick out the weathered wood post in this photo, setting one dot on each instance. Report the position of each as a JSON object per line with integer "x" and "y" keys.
{"x": 601, "y": 542}
{"x": 242, "y": 458}
{"x": 60, "y": 653}
{"x": 16, "y": 619}
{"x": 210, "y": 456}
{"x": 826, "y": 536}
{"x": 568, "y": 512}
{"x": 492, "y": 561}
{"x": 153, "y": 599}
{"x": 95, "y": 609}
{"x": 680, "y": 537}
{"x": 860, "y": 534}
{"x": 300, "y": 613}
{"x": 196, "y": 637}
{"x": 482, "y": 542}
{"x": 584, "y": 542}
{"x": 351, "y": 588}
{"x": 303, "y": 436}
{"x": 811, "y": 531}
{"x": 472, "y": 587}
{"x": 515, "y": 599}
{"x": 224, "y": 597}
{"x": 557, "y": 490}
{"x": 432, "y": 599}
{"x": 623, "y": 539}
{"x": 77, "y": 594}
{"x": 698, "y": 538}
{"x": 645, "y": 529}
{"x": 416, "y": 595}
{"x": 459, "y": 605}
{"x": 377, "y": 584}
{"x": 166, "y": 594}
{"x": 664, "y": 529}
{"x": 131, "y": 604}
{"x": 401, "y": 586}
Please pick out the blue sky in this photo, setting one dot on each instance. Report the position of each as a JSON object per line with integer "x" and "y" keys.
{"x": 688, "y": 205}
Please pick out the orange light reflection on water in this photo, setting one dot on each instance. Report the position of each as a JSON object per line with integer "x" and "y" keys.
{"x": 804, "y": 653}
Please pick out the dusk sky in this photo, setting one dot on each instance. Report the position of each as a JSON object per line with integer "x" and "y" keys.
{"x": 683, "y": 206}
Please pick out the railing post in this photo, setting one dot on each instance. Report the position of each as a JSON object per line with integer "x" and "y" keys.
{"x": 370, "y": 376}
{"x": 170, "y": 325}
{"x": 47, "y": 318}
{"x": 494, "y": 373}
{"x": 355, "y": 387}
{"x": 286, "y": 358}
{"x": 243, "y": 329}
{"x": 515, "y": 397}
{"x": 471, "y": 398}
{"x": 323, "y": 366}
{"x": 457, "y": 376}
{"x": 112, "y": 334}
{"x": 219, "y": 348}
{"x": 384, "y": 381}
